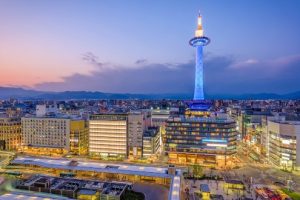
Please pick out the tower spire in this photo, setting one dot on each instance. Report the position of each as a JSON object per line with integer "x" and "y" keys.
{"x": 199, "y": 30}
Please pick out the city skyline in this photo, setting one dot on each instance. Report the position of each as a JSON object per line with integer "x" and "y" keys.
{"x": 113, "y": 47}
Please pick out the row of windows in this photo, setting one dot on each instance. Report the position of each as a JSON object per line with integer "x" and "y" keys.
{"x": 231, "y": 125}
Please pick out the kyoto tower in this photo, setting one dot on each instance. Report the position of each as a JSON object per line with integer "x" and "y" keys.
{"x": 199, "y": 41}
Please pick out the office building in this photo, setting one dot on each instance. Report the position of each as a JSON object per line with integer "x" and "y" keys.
{"x": 10, "y": 133}
{"x": 116, "y": 135}
{"x": 159, "y": 118}
{"x": 54, "y": 135}
{"x": 201, "y": 137}
{"x": 135, "y": 134}
{"x": 108, "y": 135}
{"x": 151, "y": 142}
{"x": 283, "y": 143}
{"x": 79, "y": 137}
{"x": 46, "y": 135}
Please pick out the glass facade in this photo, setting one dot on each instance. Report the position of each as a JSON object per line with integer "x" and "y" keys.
{"x": 200, "y": 136}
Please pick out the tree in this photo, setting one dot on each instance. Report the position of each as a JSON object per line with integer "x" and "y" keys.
{"x": 197, "y": 170}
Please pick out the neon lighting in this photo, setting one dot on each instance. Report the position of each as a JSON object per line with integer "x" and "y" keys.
{"x": 216, "y": 145}
{"x": 214, "y": 140}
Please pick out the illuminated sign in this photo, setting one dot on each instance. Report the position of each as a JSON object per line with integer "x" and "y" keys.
{"x": 206, "y": 140}
{"x": 216, "y": 145}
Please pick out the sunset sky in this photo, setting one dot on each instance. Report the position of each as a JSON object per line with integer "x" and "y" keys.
{"x": 141, "y": 46}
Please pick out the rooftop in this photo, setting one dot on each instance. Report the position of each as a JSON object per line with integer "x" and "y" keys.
{"x": 18, "y": 196}
{"x": 87, "y": 192}
{"x": 151, "y": 132}
{"x": 201, "y": 119}
{"x": 109, "y": 168}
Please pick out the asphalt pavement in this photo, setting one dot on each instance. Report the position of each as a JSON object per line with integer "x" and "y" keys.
{"x": 152, "y": 191}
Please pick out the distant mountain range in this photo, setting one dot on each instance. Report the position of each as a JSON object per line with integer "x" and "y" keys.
{"x": 24, "y": 94}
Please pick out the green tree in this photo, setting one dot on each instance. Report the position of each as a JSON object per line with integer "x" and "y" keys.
{"x": 197, "y": 170}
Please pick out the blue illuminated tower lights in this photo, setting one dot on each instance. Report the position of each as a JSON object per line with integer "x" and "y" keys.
{"x": 199, "y": 41}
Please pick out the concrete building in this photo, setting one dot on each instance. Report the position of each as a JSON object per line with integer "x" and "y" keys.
{"x": 201, "y": 137}
{"x": 108, "y": 135}
{"x": 159, "y": 116}
{"x": 116, "y": 135}
{"x": 284, "y": 143}
{"x": 43, "y": 110}
{"x": 40, "y": 110}
{"x": 135, "y": 134}
{"x": 46, "y": 135}
{"x": 54, "y": 135}
{"x": 151, "y": 142}
{"x": 10, "y": 133}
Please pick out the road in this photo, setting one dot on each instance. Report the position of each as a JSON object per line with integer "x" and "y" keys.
{"x": 263, "y": 173}
{"x": 152, "y": 191}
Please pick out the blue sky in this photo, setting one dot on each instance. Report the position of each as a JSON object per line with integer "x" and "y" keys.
{"x": 95, "y": 45}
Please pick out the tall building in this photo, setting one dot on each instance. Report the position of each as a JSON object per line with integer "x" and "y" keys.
{"x": 108, "y": 135}
{"x": 135, "y": 134}
{"x": 46, "y": 135}
{"x": 10, "y": 133}
{"x": 79, "y": 137}
{"x": 201, "y": 137}
{"x": 116, "y": 135}
{"x": 54, "y": 135}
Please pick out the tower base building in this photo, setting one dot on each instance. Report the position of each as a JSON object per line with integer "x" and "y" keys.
{"x": 201, "y": 137}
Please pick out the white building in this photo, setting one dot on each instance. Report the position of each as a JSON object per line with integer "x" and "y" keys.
{"x": 135, "y": 134}
{"x": 43, "y": 110}
{"x": 45, "y": 134}
{"x": 119, "y": 135}
{"x": 283, "y": 144}
{"x": 108, "y": 135}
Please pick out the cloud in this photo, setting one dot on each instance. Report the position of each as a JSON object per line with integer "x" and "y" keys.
{"x": 244, "y": 63}
{"x": 141, "y": 61}
{"x": 277, "y": 63}
{"x": 220, "y": 77}
{"x": 92, "y": 59}
{"x": 284, "y": 61}
{"x": 149, "y": 78}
